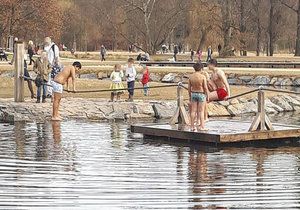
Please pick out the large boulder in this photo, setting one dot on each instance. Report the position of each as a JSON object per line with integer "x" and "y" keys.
{"x": 286, "y": 82}
{"x": 271, "y": 108}
{"x": 261, "y": 80}
{"x": 235, "y": 81}
{"x": 278, "y": 82}
{"x": 292, "y": 101}
{"x": 280, "y": 101}
{"x": 164, "y": 110}
{"x": 144, "y": 108}
{"x": 169, "y": 78}
{"x": 296, "y": 82}
{"x": 155, "y": 77}
{"x": 273, "y": 81}
{"x": 215, "y": 110}
{"x": 224, "y": 103}
{"x": 246, "y": 79}
{"x": 243, "y": 108}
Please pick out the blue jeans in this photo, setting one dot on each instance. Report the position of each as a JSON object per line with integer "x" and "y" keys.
{"x": 39, "y": 90}
{"x": 146, "y": 89}
{"x": 130, "y": 86}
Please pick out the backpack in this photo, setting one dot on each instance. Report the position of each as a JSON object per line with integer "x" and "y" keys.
{"x": 55, "y": 68}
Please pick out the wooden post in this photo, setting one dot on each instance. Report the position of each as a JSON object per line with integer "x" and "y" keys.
{"x": 261, "y": 121}
{"x": 181, "y": 117}
{"x": 19, "y": 71}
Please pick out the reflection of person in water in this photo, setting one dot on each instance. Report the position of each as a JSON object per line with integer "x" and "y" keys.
{"x": 56, "y": 132}
{"x": 204, "y": 174}
{"x": 116, "y": 136}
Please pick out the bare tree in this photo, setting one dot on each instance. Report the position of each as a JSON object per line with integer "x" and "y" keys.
{"x": 293, "y": 8}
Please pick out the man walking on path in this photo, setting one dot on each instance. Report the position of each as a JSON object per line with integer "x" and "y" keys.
{"x": 192, "y": 55}
{"x": 102, "y": 52}
{"x": 176, "y": 51}
{"x": 209, "y": 54}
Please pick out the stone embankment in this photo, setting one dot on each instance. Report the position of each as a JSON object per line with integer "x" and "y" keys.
{"x": 233, "y": 79}
{"x": 102, "y": 110}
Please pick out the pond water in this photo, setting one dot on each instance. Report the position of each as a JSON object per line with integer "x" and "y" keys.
{"x": 80, "y": 165}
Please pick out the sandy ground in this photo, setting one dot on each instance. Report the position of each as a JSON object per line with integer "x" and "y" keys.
{"x": 6, "y": 90}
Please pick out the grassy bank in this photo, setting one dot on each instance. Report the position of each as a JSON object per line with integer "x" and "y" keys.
{"x": 6, "y": 90}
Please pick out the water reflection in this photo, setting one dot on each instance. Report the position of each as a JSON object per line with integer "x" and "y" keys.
{"x": 78, "y": 165}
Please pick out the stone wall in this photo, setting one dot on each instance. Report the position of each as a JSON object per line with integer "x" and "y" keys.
{"x": 101, "y": 110}
{"x": 233, "y": 79}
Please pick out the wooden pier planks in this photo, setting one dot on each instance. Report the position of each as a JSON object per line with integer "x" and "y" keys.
{"x": 220, "y": 131}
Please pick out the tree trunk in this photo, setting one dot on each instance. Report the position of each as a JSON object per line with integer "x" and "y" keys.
{"x": 227, "y": 20}
{"x": 242, "y": 26}
{"x": 258, "y": 25}
{"x": 297, "y": 50}
{"x": 271, "y": 29}
{"x": 203, "y": 39}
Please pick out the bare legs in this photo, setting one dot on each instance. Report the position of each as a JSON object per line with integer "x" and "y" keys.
{"x": 56, "y": 103}
{"x": 193, "y": 113}
{"x": 112, "y": 96}
{"x": 200, "y": 115}
{"x": 197, "y": 110}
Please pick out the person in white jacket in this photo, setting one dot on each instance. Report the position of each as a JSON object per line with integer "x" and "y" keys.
{"x": 130, "y": 74}
{"x": 52, "y": 51}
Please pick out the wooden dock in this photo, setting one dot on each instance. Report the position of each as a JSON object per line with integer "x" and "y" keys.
{"x": 220, "y": 131}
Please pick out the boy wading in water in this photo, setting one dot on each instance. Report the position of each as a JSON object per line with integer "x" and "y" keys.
{"x": 130, "y": 74}
{"x": 63, "y": 77}
{"x": 198, "y": 93}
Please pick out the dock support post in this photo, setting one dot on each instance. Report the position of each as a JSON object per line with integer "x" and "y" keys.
{"x": 181, "y": 117}
{"x": 261, "y": 121}
{"x": 19, "y": 71}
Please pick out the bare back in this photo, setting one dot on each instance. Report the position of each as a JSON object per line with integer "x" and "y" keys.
{"x": 197, "y": 82}
{"x": 65, "y": 74}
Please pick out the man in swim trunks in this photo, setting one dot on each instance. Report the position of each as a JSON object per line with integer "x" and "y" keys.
{"x": 198, "y": 94}
{"x": 218, "y": 84}
{"x": 65, "y": 76}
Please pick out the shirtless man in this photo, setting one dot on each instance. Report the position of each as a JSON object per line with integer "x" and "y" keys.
{"x": 65, "y": 76}
{"x": 198, "y": 94}
{"x": 218, "y": 85}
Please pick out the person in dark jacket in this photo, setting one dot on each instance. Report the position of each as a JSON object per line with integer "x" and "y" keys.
{"x": 30, "y": 52}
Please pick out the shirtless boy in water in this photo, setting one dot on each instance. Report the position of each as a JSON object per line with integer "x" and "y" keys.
{"x": 65, "y": 76}
{"x": 198, "y": 93}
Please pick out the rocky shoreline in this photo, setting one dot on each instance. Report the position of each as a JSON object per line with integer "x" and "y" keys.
{"x": 102, "y": 110}
{"x": 233, "y": 79}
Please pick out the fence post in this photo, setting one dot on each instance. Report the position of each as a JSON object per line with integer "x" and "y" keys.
{"x": 19, "y": 71}
{"x": 180, "y": 116}
{"x": 261, "y": 122}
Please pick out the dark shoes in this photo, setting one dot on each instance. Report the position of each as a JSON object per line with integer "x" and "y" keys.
{"x": 39, "y": 100}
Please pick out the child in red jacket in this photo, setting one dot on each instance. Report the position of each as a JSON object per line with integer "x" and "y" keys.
{"x": 145, "y": 80}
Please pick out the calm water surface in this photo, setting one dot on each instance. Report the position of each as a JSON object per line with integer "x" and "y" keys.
{"x": 78, "y": 165}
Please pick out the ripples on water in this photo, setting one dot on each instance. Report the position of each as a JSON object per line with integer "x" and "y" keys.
{"x": 77, "y": 165}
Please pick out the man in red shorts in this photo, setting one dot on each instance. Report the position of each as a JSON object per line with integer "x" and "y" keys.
{"x": 218, "y": 84}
